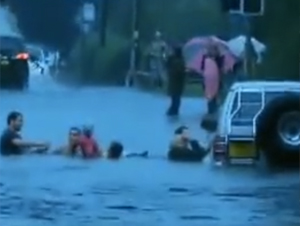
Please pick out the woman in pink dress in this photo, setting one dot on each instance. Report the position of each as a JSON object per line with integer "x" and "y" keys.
{"x": 212, "y": 66}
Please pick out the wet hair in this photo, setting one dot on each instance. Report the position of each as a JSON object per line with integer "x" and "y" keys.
{"x": 180, "y": 130}
{"x": 75, "y": 129}
{"x": 115, "y": 150}
{"x": 87, "y": 130}
{"x": 13, "y": 116}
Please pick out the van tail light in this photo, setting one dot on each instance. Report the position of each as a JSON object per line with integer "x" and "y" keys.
{"x": 22, "y": 56}
{"x": 220, "y": 148}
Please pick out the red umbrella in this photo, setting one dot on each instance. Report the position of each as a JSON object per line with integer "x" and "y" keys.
{"x": 196, "y": 49}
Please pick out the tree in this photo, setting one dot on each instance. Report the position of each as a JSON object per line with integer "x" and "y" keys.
{"x": 49, "y": 22}
{"x": 279, "y": 29}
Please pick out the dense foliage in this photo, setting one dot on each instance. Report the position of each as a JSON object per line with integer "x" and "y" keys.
{"x": 280, "y": 29}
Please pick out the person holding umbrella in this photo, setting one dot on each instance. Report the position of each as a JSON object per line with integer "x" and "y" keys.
{"x": 212, "y": 65}
{"x": 212, "y": 60}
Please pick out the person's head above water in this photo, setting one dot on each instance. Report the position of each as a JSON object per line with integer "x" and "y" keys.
{"x": 182, "y": 132}
{"x": 115, "y": 150}
{"x": 157, "y": 34}
{"x": 14, "y": 120}
{"x": 87, "y": 130}
{"x": 74, "y": 135}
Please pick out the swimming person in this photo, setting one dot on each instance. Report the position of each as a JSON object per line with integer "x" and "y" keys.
{"x": 116, "y": 151}
{"x": 11, "y": 140}
{"x": 89, "y": 145}
{"x": 183, "y": 148}
{"x": 73, "y": 147}
{"x": 81, "y": 143}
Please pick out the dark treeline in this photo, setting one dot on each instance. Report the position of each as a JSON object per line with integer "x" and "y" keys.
{"x": 279, "y": 28}
{"x": 50, "y": 22}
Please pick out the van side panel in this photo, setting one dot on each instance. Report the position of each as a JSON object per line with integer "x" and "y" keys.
{"x": 225, "y": 113}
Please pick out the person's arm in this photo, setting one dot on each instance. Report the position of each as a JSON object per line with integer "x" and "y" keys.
{"x": 183, "y": 68}
{"x": 143, "y": 154}
{"x": 168, "y": 64}
{"x": 149, "y": 50}
{"x": 67, "y": 150}
{"x": 176, "y": 143}
{"x": 27, "y": 144}
{"x": 60, "y": 150}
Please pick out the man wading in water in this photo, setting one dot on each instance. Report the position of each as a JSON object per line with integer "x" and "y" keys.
{"x": 11, "y": 141}
{"x": 184, "y": 148}
{"x": 176, "y": 80}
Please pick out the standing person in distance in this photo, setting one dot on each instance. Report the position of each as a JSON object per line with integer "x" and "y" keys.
{"x": 157, "y": 53}
{"x": 176, "y": 79}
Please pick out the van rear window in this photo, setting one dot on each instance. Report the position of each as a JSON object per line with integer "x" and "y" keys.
{"x": 247, "y": 100}
{"x": 251, "y": 103}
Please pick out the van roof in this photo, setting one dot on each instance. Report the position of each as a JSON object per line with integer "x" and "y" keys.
{"x": 266, "y": 85}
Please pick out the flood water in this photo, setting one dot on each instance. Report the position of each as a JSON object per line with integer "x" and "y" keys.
{"x": 53, "y": 190}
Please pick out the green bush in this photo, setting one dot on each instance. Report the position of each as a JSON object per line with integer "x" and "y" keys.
{"x": 93, "y": 63}
{"x": 279, "y": 29}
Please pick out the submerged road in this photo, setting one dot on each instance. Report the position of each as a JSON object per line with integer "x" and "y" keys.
{"x": 52, "y": 190}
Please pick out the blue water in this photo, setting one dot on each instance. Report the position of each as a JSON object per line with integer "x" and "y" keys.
{"x": 52, "y": 190}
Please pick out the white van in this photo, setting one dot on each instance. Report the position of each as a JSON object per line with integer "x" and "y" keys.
{"x": 258, "y": 117}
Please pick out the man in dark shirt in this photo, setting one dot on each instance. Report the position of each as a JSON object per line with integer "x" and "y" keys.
{"x": 11, "y": 142}
{"x": 176, "y": 80}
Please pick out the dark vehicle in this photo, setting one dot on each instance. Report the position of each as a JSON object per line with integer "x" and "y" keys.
{"x": 14, "y": 68}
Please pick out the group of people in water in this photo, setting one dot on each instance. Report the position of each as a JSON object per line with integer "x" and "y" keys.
{"x": 81, "y": 143}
